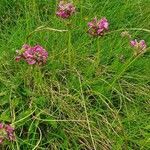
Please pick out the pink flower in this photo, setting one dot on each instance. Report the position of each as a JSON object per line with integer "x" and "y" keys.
{"x": 10, "y": 132}
{"x": 98, "y": 27}
{"x": 6, "y": 133}
{"x": 32, "y": 55}
{"x": 1, "y": 140}
{"x": 18, "y": 58}
{"x": 8, "y": 128}
{"x": 65, "y": 10}
{"x": 140, "y": 46}
{"x": 134, "y": 43}
{"x": 1, "y": 125}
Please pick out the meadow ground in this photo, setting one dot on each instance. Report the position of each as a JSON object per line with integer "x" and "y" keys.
{"x": 92, "y": 93}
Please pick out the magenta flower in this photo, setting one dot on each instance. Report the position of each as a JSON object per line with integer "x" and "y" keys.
{"x": 1, "y": 125}
{"x": 10, "y": 132}
{"x": 65, "y": 10}
{"x": 98, "y": 27}
{"x": 6, "y": 133}
{"x": 1, "y": 140}
{"x": 32, "y": 55}
{"x": 140, "y": 47}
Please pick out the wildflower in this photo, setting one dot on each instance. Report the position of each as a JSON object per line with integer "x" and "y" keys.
{"x": 32, "y": 55}
{"x": 140, "y": 47}
{"x": 65, "y": 10}
{"x": 10, "y": 130}
{"x": 98, "y": 27}
{"x": 6, "y": 133}
{"x": 1, "y": 125}
{"x": 126, "y": 34}
{"x": 1, "y": 140}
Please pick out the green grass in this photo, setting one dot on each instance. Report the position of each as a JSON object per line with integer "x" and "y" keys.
{"x": 85, "y": 97}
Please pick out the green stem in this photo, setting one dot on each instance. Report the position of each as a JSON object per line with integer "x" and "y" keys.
{"x": 98, "y": 54}
{"x": 69, "y": 48}
{"x": 42, "y": 29}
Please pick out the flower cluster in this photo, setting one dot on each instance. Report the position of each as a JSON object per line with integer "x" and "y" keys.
{"x": 98, "y": 27}
{"x": 65, "y": 10}
{"x": 140, "y": 47}
{"x": 32, "y": 55}
{"x": 6, "y": 133}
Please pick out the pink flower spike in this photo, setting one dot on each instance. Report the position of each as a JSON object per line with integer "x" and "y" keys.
{"x": 26, "y": 46}
{"x": 32, "y": 55}
{"x": 133, "y": 43}
{"x": 139, "y": 47}
{"x": 65, "y": 10}
{"x": 8, "y": 128}
{"x": 18, "y": 58}
{"x": 6, "y": 133}
{"x": 98, "y": 27}
{"x": 10, "y": 132}
{"x": 1, "y": 125}
{"x": 99, "y": 31}
{"x": 1, "y": 140}
{"x": 104, "y": 23}
{"x": 30, "y": 61}
{"x": 142, "y": 44}
{"x": 90, "y": 24}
